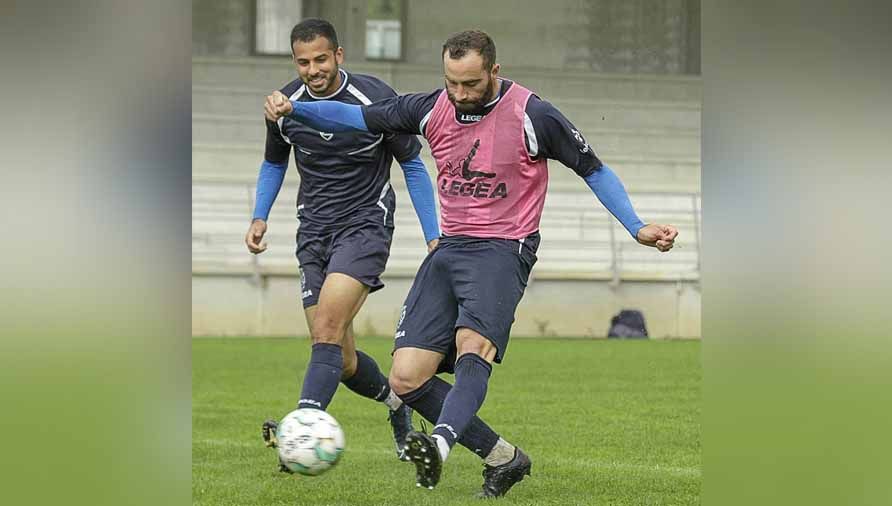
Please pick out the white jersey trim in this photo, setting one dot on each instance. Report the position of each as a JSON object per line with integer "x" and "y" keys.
{"x": 294, "y": 96}
{"x": 532, "y": 142}
{"x": 381, "y": 200}
{"x": 424, "y": 121}
{"x": 370, "y": 146}
{"x": 358, "y": 94}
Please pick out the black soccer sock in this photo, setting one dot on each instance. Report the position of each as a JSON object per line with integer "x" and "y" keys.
{"x": 322, "y": 376}
{"x": 368, "y": 381}
{"x": 461, "y": 404}
{"x": 427, "y": 400}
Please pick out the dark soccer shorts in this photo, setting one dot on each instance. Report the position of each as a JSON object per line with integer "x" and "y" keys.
{"x": 358, "y": 250}
{"x": 466, "y": 282}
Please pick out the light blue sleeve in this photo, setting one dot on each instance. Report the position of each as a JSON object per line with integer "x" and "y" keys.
{"x": 329, "y": 116}
{"x": 610, "y": 191}
{"x": 422, "y": 194}
{"x": 269, "y": 182}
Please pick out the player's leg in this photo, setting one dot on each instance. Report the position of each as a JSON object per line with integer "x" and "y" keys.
{"x": 488, "y": 278}
{"x": 339, "y": 300}
{"x": 361, "y": 252}
{"x": 311, "y": 254}
{"x": 363, "y": 376}
{"x": 472, "y": 370}
{"x": 413, "y": 378}
{"x": 424, "y": 336}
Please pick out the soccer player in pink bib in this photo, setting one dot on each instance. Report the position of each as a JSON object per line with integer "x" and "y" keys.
{"x": 490, "y": 138}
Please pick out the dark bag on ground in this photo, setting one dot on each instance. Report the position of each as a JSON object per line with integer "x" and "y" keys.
{"x": 629, "y": 323}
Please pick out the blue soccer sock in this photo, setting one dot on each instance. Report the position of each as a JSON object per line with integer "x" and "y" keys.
{"x": 427, "y": 400}
{"x": 368, "y": 381}
{"x": 322, "y": 376}
{"x": 463, "y": 401}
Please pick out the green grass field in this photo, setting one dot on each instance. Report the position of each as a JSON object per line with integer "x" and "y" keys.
{"x": 604, "y": 422}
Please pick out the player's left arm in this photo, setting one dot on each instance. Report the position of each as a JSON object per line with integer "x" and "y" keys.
{"x": 557, "y": 138}
{"x": 406, "y": 150}
{"x": 421, "y": 192}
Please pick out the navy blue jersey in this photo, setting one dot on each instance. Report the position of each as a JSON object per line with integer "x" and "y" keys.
{"x": 344, "y": 177}
{"x": 547, "y": 132}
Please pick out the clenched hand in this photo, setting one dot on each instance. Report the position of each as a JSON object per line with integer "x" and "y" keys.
{"x": 276, "y": 106}
{"x": 255, "y": 235}
{"x": 658, "y": 236}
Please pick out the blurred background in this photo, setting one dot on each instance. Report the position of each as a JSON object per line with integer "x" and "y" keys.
{"x": 626, "y": 73}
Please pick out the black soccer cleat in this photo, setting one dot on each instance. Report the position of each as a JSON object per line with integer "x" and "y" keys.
{"x": 401, "y": 423}
{"x": 497, "y": 480}
{"x": 268, "y": 432}
{"x": 422, "y": 451}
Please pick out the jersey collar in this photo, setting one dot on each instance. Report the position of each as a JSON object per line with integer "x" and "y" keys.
{"x": 498, "y": 95}
{"x": 344, "y": 78}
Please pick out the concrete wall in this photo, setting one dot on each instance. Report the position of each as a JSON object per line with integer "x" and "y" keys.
{"x": 616, "y": 36}
{"x": 243, "y": 306}
{"x": 222, "y": 27}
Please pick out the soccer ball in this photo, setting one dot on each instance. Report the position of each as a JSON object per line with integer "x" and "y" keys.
{"x": 310, "y": 441}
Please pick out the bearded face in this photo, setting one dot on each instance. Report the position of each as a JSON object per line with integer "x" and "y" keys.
{"x": 469, "y": 84}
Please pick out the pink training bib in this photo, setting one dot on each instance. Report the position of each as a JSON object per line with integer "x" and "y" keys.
{"x": 488, "y": 185}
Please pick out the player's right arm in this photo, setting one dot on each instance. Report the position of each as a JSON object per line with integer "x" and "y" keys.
{"x": 402, "y": 114}
{"x": 269, "y": 182}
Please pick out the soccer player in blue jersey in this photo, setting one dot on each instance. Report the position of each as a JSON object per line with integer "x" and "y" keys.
{"x": 345, "y": 206}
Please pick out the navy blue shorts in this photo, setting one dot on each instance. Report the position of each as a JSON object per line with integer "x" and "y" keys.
{"x": 358, "y": 250}
{"x": 466, "y": 282}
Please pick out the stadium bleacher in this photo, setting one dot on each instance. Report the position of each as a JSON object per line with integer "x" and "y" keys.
{"x": 646, "y": 127}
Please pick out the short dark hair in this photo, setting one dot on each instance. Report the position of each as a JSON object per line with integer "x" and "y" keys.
{"x": 310, "y": 28}
{"x": 459, "y": 44}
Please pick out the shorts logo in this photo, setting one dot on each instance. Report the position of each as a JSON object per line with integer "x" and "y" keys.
{"x": 303, "y": 284}
{"x": 325, "y": 135}
{"x": 462, "y": 171}
{"x": 399, "y": 334}
{"x": 402, "y": 316}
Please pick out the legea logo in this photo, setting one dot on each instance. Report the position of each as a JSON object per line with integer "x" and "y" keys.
{"x": 461, "y": 170}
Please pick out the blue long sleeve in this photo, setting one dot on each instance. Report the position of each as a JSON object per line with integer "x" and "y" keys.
{"x": 269, "y": 181}
{"x": 611, "y": 192}
{"x": 422, "y": 194}
{"x": 329, "y": 116}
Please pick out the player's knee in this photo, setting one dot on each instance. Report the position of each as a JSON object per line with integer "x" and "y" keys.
{"x": 403, "y": 381}
{"x": 326, "y": 329}
{"x": 472, "y": 342}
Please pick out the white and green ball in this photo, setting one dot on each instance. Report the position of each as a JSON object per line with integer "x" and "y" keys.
{"x": 310, "y": 441}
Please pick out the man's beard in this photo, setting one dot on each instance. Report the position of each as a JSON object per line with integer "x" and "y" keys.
{"x": 326, "y": 83}
{"x": 476, "y": 105}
